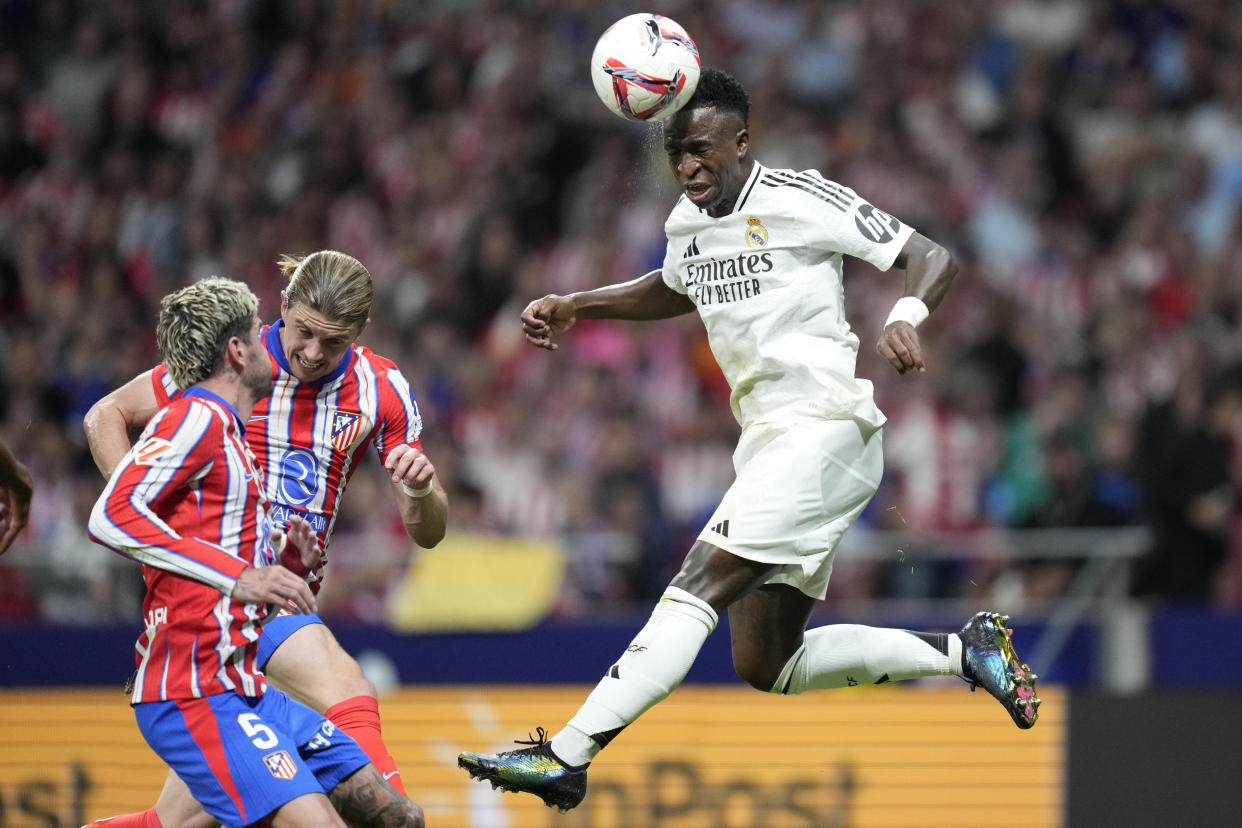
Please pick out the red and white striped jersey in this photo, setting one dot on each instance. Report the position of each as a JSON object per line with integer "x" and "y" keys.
{"x": 187, "y": 503}
{"x": 307, "y": 436}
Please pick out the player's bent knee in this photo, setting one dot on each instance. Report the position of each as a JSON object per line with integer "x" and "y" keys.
{"x": 791, "y": 678}
{"x": 312, "y": 666}
{"x": 756, "y": 677}
{"x": 346, "y": 673}
{"x": 758, "y": 670}
{"x": 364, "y": 687}
{"x": 351, "y": 683}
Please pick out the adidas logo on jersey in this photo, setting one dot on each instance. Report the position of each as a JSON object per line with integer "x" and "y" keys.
{"x": 693, "y": 249}
{"x": 721, "y": 528}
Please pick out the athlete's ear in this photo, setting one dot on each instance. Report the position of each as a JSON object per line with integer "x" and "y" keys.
{"x": 235, "y": 354}
{"x": 743, "y": 143}
{"x": 284, "y": 303}
{"x": 363, "y": 328}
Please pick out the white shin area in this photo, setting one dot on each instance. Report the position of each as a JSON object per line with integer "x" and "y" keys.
{"x": 650, "y": 668}
{"x": 845, "y": 655}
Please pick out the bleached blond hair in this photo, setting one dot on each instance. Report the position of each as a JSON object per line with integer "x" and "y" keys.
{"x": 197, "y": 321}
{"x": 330, "y": 283}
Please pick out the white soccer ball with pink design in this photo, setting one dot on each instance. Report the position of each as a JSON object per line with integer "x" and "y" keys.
{"x": 645, "y": 67}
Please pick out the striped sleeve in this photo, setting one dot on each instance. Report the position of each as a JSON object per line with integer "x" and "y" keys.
{"x": 165, "y": 389}
{"x": 836, "y": 219}
{"x": 399, "y": 419}
{"x": 179, "y": 447}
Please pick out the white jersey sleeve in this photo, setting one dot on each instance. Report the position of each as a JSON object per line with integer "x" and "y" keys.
{"x": 838, "y": 220}
{"x": 672, "y": 277}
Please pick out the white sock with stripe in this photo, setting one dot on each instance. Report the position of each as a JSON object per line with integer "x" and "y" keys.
{"x": 650, "y": 668}
{"x": 845, "y": 655}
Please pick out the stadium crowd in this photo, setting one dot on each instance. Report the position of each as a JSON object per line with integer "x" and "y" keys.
{"x": 1083, "y": 159}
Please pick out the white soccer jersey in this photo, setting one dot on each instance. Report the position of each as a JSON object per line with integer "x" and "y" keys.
{"x": 767, "y": 281}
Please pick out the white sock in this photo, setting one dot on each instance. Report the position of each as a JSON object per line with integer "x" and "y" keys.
{"x": 955, "y": 654}
{"x": 844, "y": 655}
{"x": 650, "y": 668}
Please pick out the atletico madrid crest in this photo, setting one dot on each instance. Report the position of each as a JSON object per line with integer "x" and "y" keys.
{"x": 345, "y": 428}
{"x": 280, "y": 765}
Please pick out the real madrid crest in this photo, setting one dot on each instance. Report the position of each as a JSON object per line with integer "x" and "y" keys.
{"x": 756, "y": 233}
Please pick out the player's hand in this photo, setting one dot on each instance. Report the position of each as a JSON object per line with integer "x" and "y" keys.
{"x": 899, "y": 344}
{"x": 299, "y": 547}
{"x": 548, "y": 317}
{"x": 273, "y": 585}
{"x": 406, "y": 464}
{"x": 14, "y": 507}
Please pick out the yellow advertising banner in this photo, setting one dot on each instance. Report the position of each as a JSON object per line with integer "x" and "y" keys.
{"x": 712, "y": 757}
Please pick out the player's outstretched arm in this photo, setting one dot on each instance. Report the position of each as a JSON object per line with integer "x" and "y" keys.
{"x": 548, "y": 317}
{"x": 646, "y": 297}
{"x": 929, "y": 272}
{"x": 109, "y": 421}
{"x": 420, "y": 497}
{"x": 16, "y": 489}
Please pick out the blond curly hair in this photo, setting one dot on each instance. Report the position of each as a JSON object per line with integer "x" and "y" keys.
{"x": 197, "y": 321}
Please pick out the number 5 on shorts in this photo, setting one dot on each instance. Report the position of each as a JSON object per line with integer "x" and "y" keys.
{"x": 261, "y": 736}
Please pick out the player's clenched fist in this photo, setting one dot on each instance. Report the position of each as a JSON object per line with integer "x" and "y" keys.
{"x": 548, "y": 317}
{"x": 410, "y": 467}
{"x": 899, "y": 344}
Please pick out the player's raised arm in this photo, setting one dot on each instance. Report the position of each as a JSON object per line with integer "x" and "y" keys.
{"x": 929, "y": 272}
{"x": 109, "y": 421}
{"x": 420, "y": 497}
{"x": 646, "y": 297}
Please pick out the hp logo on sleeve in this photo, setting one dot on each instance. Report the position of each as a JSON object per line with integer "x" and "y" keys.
{"x": 875, "y": 225}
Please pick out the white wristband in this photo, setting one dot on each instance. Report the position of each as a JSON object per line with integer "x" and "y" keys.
{"x": 909, "y": 309}
{"x": 423, "y": 492}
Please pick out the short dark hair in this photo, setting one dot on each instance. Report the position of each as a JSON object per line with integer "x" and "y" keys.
{"x": 722, "y": 91}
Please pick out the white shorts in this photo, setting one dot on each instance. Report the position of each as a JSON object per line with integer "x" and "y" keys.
{"x": 799, "y": 486}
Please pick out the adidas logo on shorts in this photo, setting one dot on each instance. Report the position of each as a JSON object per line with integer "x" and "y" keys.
{"x": 721, "y": 528}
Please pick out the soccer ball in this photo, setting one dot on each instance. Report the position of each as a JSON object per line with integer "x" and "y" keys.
{"x": 645, "y": 67}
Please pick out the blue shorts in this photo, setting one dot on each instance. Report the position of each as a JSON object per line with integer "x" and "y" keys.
{"x": 245, "y": 756}
{"x": 278, "y": 630}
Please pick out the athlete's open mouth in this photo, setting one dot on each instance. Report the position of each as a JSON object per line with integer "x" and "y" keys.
{"x": 696, "y": 191}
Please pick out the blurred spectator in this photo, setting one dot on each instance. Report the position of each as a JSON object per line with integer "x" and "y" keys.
{"x": 1073, "y": 498}
{"x": 1188, "y": 485}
